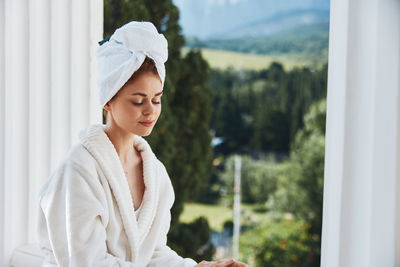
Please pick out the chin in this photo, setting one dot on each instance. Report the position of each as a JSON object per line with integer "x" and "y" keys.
{"x": 147, "y": 134}
{"x": 143, "y": 133}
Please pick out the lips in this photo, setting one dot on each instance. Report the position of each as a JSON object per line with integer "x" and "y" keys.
{"x": 147, "y": 123}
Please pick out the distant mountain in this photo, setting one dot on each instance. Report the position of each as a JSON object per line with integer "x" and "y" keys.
{"x": 275, "y": 24}
{"x": 227, "y": 19}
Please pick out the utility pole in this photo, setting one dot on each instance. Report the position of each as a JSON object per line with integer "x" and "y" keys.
{"x": 236, "y": 207}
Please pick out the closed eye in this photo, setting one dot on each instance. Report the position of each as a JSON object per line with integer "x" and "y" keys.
{"x": 139, "y": 104}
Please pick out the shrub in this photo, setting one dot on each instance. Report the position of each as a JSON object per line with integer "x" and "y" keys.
{"x": 282, "y": 242}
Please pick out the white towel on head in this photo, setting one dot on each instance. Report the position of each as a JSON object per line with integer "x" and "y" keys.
{"x": 125, "y": 52}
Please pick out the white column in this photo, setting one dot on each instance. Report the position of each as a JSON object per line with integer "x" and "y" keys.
{"x": 47, "y": 86}
{"x": 361, "y": 207}
{"x": 79, "y": 67}
{"x": 39, "y": 105}
{"x": 2, "y": 126}
{"x": 96, "y": 35}
{"x": 385, "y": 205}
{"x": 60, "y": 54}
{"x": 236, "y": 206}
{"x": 15, "y": 191}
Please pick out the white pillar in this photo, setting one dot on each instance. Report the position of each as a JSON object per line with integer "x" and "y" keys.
{"x": 47, "y": 86}
{"x": 15, "y": 190}
{"x": 39, "y": 105}
{"x": 361, "y": 205}
{"x": 236, "y": 206}
{"x": 2, "y": 126}
{"x": 60, "y": 54}
{"x": 96, "y": 35}
{"x": 79, "y": 67}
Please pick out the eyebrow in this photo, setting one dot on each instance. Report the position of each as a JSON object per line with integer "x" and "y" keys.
{"x": 142, "y": 94}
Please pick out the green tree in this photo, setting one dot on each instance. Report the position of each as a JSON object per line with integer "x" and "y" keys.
{"x": 230, "y": 109}
{"x": 300, "y": 190}
{"x": 307, "y": 156}
{"x": 191, "y": 107}
{"x": 183, "y": 127}
{"x": 193, "y": 239}
{"x": 263, "y": 110}
{"x": 278, "y": 242}
{"x": 258, "y": 181}
{"x": 293, "y": 235}
{"x": 181, "y": 139}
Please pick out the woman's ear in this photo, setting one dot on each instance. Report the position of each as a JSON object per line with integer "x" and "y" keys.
{"x": 107, "y": 106}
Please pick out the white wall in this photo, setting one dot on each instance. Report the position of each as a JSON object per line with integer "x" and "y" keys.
{"x": 362, "y": 176}
{"x": 47, "y": 95}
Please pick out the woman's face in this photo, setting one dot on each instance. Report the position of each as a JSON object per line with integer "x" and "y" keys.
{"x": 137, "y": 106}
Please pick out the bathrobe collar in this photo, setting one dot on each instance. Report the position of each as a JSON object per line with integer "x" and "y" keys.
{"x": 101, "y": 148}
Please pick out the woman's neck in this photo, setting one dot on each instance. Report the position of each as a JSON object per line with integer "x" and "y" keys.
{"x": 123, "y": 143}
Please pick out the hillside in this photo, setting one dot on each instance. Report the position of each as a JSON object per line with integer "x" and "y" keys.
{"x": 252, "y": 34}
{"x": 310, "y": 39}
{"x": 223, "y": 59}
{"x": 227, "y": 19}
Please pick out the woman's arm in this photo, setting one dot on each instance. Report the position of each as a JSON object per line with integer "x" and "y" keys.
{"x": 72, "y": 220}
{"x": 164, "y": 255}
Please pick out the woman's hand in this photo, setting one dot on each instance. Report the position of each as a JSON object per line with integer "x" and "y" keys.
{"x": 221, "y": 263}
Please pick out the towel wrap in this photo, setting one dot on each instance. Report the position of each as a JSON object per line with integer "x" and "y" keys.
{"x": 125, "y": 51}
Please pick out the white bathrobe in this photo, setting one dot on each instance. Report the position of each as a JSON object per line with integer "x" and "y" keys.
{"x": 86, "y": 214}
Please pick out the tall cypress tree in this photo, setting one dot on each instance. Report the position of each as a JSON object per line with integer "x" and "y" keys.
{"x": 181, "y": 138}
{"x": 192, "y": 108}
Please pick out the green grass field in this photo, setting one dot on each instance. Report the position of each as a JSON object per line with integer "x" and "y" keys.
{"x": 222, "y": 59}
{"x": 217, "y": 215}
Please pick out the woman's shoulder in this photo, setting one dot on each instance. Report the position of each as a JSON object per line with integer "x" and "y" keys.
{"x": 80, "y": 158}
{"x": 74, "y": 180}
{"x": 80, "y": 155}
{"x": 77, "y": 161}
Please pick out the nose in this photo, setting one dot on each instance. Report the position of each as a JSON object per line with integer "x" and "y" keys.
{"x": 149, "y": 108}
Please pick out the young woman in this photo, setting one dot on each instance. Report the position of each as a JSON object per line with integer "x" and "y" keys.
{"x": 108, "y": 203}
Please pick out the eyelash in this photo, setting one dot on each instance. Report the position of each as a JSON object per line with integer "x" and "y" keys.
{"x": 139, "y": 104}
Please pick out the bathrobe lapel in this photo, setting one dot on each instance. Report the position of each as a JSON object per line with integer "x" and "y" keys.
{"x": 99, "y": 145}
